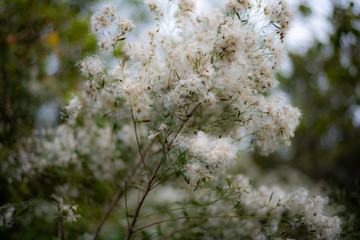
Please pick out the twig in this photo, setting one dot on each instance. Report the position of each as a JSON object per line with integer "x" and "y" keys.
{"x": 188, "y": 116}
{"x": 60, "y": 233}
{"x": 115, "y": 200}
{"x": 138, "y": 144}
{"x": 167, "y": 147}
{"x": 148, "y": 188}
{"x": 156, "y": 183}
{"x": 126, "y": 205}
{"x": 205, "y": 217}
{"x": 119, "y": 193}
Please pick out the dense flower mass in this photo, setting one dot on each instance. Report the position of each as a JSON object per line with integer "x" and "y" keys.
{"x": 224, "y": 61}
{"x": 181, "y": 102}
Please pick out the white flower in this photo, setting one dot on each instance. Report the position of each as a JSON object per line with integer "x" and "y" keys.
{"x": 216, "y": 152}
{"x": 74, "y": 107}
{"x": 102, "y": 19}
{"x": 92, "y": 67}
{"x": 239, "y": 5}
{"x": 106, "y": 44}
{"x": 125, "y": 26}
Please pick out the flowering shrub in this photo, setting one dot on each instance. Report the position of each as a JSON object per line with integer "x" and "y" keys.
{"x": 164, "y": 121}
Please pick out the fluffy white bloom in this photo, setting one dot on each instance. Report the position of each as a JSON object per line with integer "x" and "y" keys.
{"x": 74, "y": 107}
{"x": 62, "y": 148}
{"x": 135, "y": 92}
{"x": 331, "y": 229}
{"x": 125, "y": 26}
{"x": 106, "y": 43}
{"x": 92, "y": 67}
{"x": 279, "y": 13}
{"x": 274, "y": 202}
{"x": 314, "y": 215}
{"x": 314, "y": 210}
{"x": 102, "y": 19}
{"x": 215, "y": 152}
{"x": 239, "y": 5}
{"x": 152, "y": 4}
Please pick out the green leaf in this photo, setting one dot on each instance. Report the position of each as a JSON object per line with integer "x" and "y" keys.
{"x": 228, "y": 182}
{"x": 271, "y": 196}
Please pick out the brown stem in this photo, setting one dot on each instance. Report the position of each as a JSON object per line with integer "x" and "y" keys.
{"x": 149, "y": 185}
{"x": 119, "y": 193}
{"x": 147, "y": 190}
{"x": 116, "y": 199}
{"x": 188, "y": 116}
{"x": 60, "y": 233}
{"x": 138, "y": 144}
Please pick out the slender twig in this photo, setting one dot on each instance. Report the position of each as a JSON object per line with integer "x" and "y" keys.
{"x": 148, "y": 188}
{"x": 182, "y": 208}
{"x": 137, "y": 186}
{"x": 120, "y": 192}
{"x": 159, "y": 181}
{"x": 60, "y": 233}
{"x": 167, "y": 147}
{"x": 205, "y": 217}
{"x": 116, "y": 199}
{"x": 188, "y": 116}
{"x": 126, "y": 205}
{"x": 165, "y": 171}
{"x": 138, "y": 144}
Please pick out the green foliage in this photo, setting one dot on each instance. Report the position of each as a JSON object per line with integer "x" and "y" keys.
{"x": 30, "y": 33}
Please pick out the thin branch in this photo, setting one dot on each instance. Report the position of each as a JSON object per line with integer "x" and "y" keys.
{"x": 205, "y": 217}
{"x": 159, "y": 181}
{"x": 115, "y": 200}
{"x": 148, "y": 188}
{"x": 126, "y": 205}
{"x": 188, "y": 116}
{"x": 120, "y": 192}
{"x": 183, "y": 208}
{"x": 167, "y": 147}
{"x": 138, "y": 144}
{"x": 60, "y": 233}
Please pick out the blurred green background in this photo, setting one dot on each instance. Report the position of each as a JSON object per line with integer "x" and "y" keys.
{"x": 41, "y": 42}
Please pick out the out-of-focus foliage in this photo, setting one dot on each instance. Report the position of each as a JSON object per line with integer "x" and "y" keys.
{"x": 325, "y": 86}
{"x": 40, "y": 42}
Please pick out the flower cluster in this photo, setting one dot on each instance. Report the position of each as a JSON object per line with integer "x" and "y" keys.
{"x": 275, "y": 203}
{"x": 65, "y": 210}
{"x": 183, "y": 101}
{"x": 209, "y": 153}
{"x": 112, "y": 27}
{"x": 221, "y": 62}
